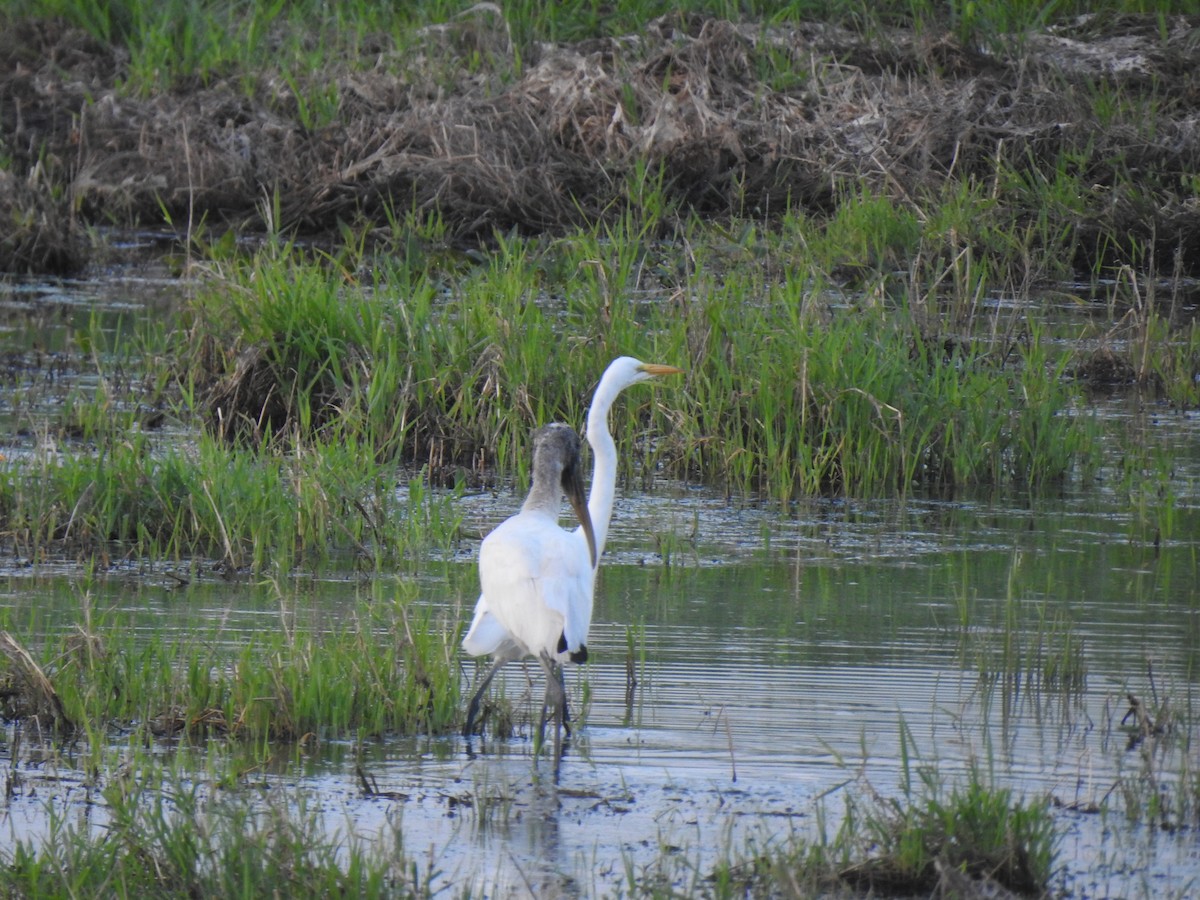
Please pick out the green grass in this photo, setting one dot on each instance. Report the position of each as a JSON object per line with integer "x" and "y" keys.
{"x": 167, "y": 835}
{"x": 861, "y": 401}
{"x": 386, "y": 667}
{"x": 935, "y": 825}
{"x": 309, "y": 392}
{"x": 182, "y": 41}
{"x": 263, "y": 512}
{"x": 972, "y": 829}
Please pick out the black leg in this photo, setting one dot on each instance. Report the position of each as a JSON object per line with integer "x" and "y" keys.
{"x": 562, "y": 687}
{"x": 556, "y": 697}
{"x": 473, "y": 707}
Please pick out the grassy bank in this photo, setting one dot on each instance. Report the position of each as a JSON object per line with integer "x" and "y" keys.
{"x": 180, "y": 42}
{"x": 541, "y": 118}
{"x": 960, "y": 840}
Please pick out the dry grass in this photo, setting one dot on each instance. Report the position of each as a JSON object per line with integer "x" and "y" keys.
{"x": 27, "y": 692}
{"x": 39, "y": 234}
{"x": 550, "y": 141}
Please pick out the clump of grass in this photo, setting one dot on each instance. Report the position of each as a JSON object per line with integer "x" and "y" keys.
{"x": 167, "y": 836}
{"x": 247, "y": 510}
{"x": 960, "y": 840}
{"x": 388, "y": 669}
{"x": 869, "y": 233}
{"x": 981, "y": 834}
{"x": 315, "y": 386}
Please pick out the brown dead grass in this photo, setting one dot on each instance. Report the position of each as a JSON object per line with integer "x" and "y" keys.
{"x": 26, "y": 692}
{"x": 555, "y": 145}
{"x": 259, "y": 398}
{"x": 38, "y": 232}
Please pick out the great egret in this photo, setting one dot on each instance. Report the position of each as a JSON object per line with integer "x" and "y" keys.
{"x": 537, "y": 580}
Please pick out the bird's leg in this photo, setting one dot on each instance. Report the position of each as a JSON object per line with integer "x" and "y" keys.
{"x": 562, "y": 688}
{"x": 473, "y": 707}
{"x": 556, "y": 696}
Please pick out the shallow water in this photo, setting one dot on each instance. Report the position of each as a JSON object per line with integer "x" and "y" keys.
{"x": 782, "y": 658}
{"x": 785, "y": 658}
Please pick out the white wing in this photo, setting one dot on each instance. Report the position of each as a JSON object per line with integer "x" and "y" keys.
{"x": 537, "y": 586}
{"x": 487, "y": 637}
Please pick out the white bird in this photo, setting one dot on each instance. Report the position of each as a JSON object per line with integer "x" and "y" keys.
{"x": 538, "y": 580}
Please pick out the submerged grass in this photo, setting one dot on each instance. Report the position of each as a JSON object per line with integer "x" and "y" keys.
{"x": 1030, "y": 647}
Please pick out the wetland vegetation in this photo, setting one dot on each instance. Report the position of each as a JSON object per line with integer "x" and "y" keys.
{"x": 905, "y": 254}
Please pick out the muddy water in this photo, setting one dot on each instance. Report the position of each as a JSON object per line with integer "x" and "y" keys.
{"x": 784, "y": 659}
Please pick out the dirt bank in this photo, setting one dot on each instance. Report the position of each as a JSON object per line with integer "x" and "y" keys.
{"x": 554, "y": 141}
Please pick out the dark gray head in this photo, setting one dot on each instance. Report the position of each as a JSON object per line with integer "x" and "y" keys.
{"x": 556, "y": 444}
{"x": 556, "y": 455}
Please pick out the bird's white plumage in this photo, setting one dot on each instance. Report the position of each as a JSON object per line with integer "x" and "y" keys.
{"x": 545, "y": 576}
{"x": 536, "y": 579}
{"x": 620, "y": 374}
{"x": 487, "y": 637}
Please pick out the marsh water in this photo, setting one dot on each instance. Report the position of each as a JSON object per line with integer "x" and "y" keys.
{"x": 783, "y": 657}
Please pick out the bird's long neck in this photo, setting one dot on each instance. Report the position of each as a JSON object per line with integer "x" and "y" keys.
{"x": 545, "y": 494}
{"x": 604, "y": 456}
